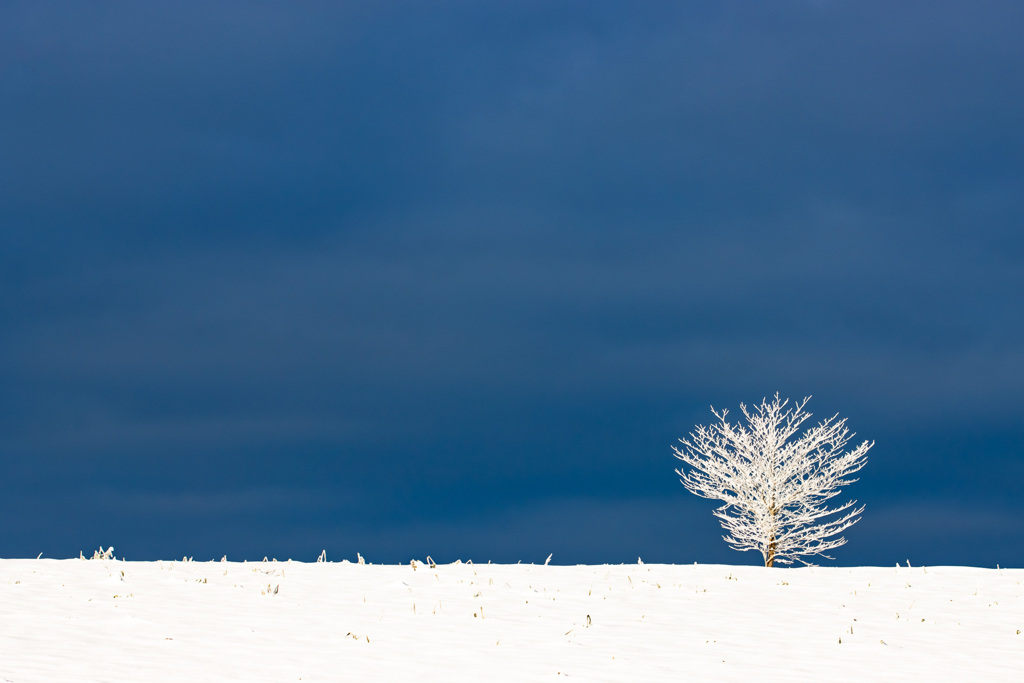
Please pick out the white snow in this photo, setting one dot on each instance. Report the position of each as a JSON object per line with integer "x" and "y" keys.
{"x": 108, "y": 620}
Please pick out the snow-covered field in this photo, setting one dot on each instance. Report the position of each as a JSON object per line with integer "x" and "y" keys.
{"x": 108, "y": 620}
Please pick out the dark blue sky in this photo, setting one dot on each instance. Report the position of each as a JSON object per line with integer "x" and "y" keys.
{"x": 450, "y": 278}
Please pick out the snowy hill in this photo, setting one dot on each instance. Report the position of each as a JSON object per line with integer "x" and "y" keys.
{"x": 108, "y": 620}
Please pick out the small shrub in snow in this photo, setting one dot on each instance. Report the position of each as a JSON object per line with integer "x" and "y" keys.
{"x": 100, "y": 554}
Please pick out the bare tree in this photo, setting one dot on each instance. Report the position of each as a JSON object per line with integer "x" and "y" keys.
{"x": 774, "y": 488}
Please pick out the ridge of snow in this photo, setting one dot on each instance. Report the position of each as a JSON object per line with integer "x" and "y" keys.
{"x": 110, "y": 620}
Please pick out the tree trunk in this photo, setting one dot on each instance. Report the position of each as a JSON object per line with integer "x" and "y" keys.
{"x": 769, "y": 560}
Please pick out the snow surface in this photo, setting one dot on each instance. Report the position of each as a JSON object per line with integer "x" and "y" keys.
{"x": 108, "y": 620}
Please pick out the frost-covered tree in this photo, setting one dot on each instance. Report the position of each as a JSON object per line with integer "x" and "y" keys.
{"x": 775, "y": 488}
